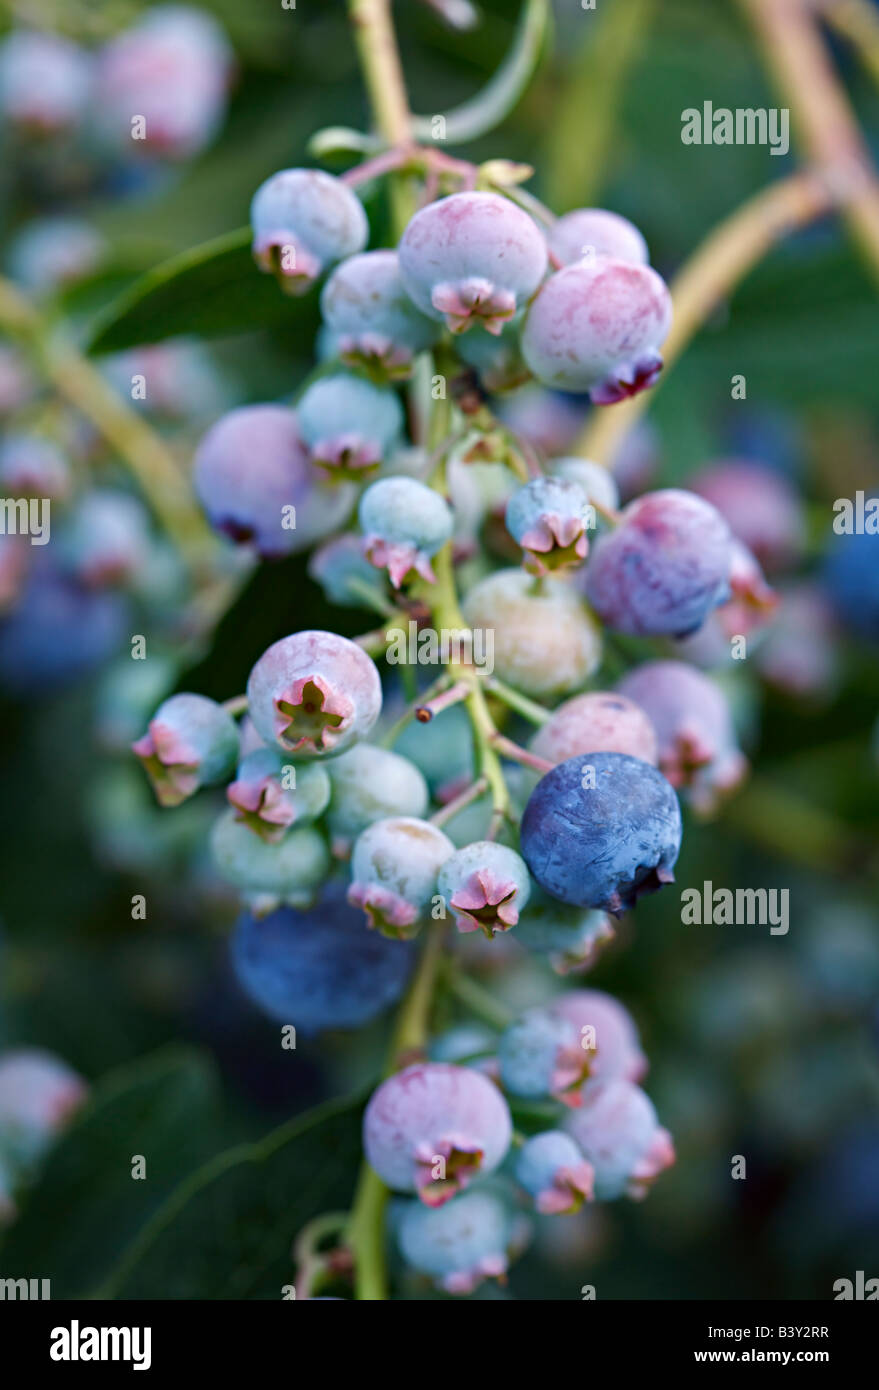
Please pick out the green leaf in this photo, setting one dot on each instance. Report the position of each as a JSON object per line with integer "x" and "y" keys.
{"x": 213, "y": 289}
{"x": 87, "y": 1205}
{"x": 501, "y": 94}
{"x": 227, "y": 1231}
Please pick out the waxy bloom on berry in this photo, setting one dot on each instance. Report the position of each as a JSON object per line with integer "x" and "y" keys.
{"x": 541, "y": 1055}
{"x": 314, "y": 694}
{"x": 554, "y": 1171}
{"x": 433, "y": 1127}
{"x": 349, "y": 425}
{"x": 587, "y": 232}
{"x": 486, "y": 885}
{"x": 404, "y": 524}
{"x": 459, "y": 1244}
{"x": 597, "y": 722}
{"x": 270, "y": 874}
{"x": 191, "y": 742}
{"x": 608, "y": 1028}
{"x": 618, "y": 1132}
{"x": 372, "y": 322}
{"x": 303, "y": 221}
{"x": 394, "y": 868}
{"x": 269, "y": 796}
{"x": 549, "y": 518}
{"x": 472, "y": 258}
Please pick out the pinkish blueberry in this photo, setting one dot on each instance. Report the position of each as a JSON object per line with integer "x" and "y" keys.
{"x": 760, "y": 505}
{"x": 597, "y": 722}
{"x": 372, "y": 322}
{"x": 45, "y": 81}
{"x": 618, "y": 1133}
{"x": 663, "y": 569}
{"x": 589, "y": 232}
{"x": 472, "y": 258}
{"x": 314, "y": 694}
{"x": 691, "y": 715}
{"x": 597, "y": 327}
{"x": 431, "y": 1128}
{"x": 608, "y": 1030}
{"x": 39, "y": 1094}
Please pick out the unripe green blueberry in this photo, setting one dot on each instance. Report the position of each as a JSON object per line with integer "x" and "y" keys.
{"x": 348, "y": 424}
{"x": 270, "y": 875}
{"x": 404, "y": 524}
{"x": 394, "y": 868}
{"x": 370, "y": 784}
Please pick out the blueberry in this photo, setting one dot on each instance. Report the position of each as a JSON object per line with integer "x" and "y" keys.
{"x": 394, "y": 868}
{"x": 433, "y": 1127}
{"x": 269, "y": 874}
{"x": 598, "y": 722}
{"x": 32, "y": 465}
{"x": 596, "y": 232}
{"x": 45, "y": 81}
{"x": 58, "y": 633}
{"x": 52, "y": 253}
{"x": 305, "y": 220}
{"x": 319, "y": 969}
{"x": 172, "y": 68}
{"x": 486, "y": 885}
{"x": 760, "y": 505}
{"x": 664, "y": 568}
{"x": 851, "y": 576}
{"x": 554, "y": 1171}
{"x": 595, "y": 481}
{"x": 597, "y": 326}
{"x": 692, "y": 719}
{"x": 404, "y": 524}
{"x": 618, "y": 1132}
{"x": 545, "y": 642}
{"x": 472, "y": 257}
{"x": 601, "y": 829}
{"x": 370, "y": 784}
{"x": 572, "y": 937}
{"x": 314, "y": 694}
{"x": 539, "y": 1055}
{"x": 458, "y": 1244}
{"x": 614, "y": 1048}
{"x": 106, "y": 539}
{"x": 39, "y": 1094}
{"x": 348, "y": 424}
{"x": 372, "y": 322}
{"x": 191, "y": 742}
{"x": 496, "y": 357}
{"x": 129, "y": 692}
{"x": 254, "y": 480}
{"x": 265, "y": 802}
{"x": 342, "y": 570}
{"x": 799, "y": 652}
{"x": 548, "y": 517}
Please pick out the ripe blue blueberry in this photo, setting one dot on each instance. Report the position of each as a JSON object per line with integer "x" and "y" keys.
{"x": 270, "y": 874}
{"x": 348, "y": 424}
{"x": 618, "y": 1132}
{"x": 305, "y": 220}
{"x": 371, "y": 321}
{"x": 191, "y": 742}
{"x": 314, "y": 694}
{"x": 589, "y": 232}
{"x": 601, "y": 829}
{"x": 404, "y": 524}
{"x": 554, "y": 1171}
{"x": 597, "y": 326}
{"x": 269, "y": 795}
{"x": 370, "y": 784}
{"x": 394, "y": 868}
{"x": 545, "y": 642}
{"x": 459, "y": 1244}
{"x": 486, "y": 885}
{"x": 472, "y": 258}
{"x": 549, "y": 518}
{"x": 319, "y": 969}
{"x": 433, "y": 1127}
{"x": 539, "y": 1055}
{"x": 851, "y": 575}
{"x": 692, "y": 718}
{"x": 664, "y": 568}
{"x": 253, "y": 478}
{"x": 58, "y": 632}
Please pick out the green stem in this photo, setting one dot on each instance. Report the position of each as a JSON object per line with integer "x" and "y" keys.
{"x": 529, "y": 709}
{"x": 477, "y": 999}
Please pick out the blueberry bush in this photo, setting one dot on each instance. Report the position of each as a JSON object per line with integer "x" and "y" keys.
{"x": 418, "y": 599}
